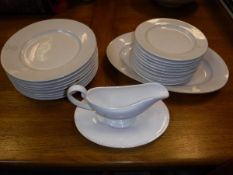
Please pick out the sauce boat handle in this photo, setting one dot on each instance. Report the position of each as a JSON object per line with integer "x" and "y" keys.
{"x": 78, "y": 88}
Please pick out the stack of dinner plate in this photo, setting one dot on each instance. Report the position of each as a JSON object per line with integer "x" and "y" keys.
{"x": 43, "y": 59}
{"x": 167, "y": 51}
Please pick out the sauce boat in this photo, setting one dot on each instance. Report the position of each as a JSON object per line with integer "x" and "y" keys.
{"x": 118, "y": 106}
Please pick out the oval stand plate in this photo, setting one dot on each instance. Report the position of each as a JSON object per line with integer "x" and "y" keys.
{"x": 149, "y": 126}
{"x": 211, "y": 75}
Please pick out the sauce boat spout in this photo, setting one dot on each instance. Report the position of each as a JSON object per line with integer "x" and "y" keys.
{"x": 119, "y": 102}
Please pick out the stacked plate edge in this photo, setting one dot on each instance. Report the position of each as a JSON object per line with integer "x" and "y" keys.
{"x": 167, "y": 51}
{"x": 43, "y": 59}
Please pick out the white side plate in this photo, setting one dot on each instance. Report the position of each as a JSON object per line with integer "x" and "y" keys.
{"x": 211, "y": 75}
{"x": 171, "y": 39}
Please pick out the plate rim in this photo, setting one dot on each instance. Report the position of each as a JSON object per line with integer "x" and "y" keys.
{"x": 127, "y": 38}
{"x": 200, "y": 47}
{"x": 161, "y": 130}
{"x": 21, "y": 71}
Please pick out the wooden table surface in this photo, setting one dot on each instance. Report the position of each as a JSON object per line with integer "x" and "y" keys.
{"x": 42, "y": 133}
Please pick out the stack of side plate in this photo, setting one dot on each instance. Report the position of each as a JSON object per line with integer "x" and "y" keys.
{"x": 167, "y": 51}
{"x": 43, "y": 59}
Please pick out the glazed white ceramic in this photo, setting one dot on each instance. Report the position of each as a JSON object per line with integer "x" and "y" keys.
{"x": 149, "y": 126}
{"x": 163, "y": 63}
{"x": 45, "y": 58}
{"x": 211, "y": 75}
{"x": 60, "y": 83}
{"x": 167, "y": 51}
{"x": 93, "y": 61}
{"x": 171, "y": 39}
{"x": 55, "y": 89}
{"x": 120, "y": 105}
{"x": 37, "y": 52}
{"x": 45, "y": 94}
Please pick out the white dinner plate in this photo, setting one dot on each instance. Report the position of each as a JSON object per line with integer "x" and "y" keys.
{"x": 75, "y": 75}
{"x": 153, "y": 62}
{"x": 212, "y": 73}
{"x": 171, "y": 39}
{"x": 163, "y": 72}
{"x": 55, "y": 95}
{"x": 53, "y": 85}
{"x": 48, "y": 50}
{"x": 149, "y": 126}
{"x": 153, "y": 78}
{"x": 158, "y": 60}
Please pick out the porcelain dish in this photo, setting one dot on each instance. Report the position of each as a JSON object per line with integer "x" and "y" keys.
{"x": 118, "y": 106}
{"x": 211, "y": 75}
{"x": 167, "y": 51}
{"x": 149, "y": 126}
{"x": 37, "y": 52}
{"x": 171, "y": 39}
{"x": 45, "y": 58}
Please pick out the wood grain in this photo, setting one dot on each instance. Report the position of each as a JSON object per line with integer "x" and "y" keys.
{"x": 42, "y": 133}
